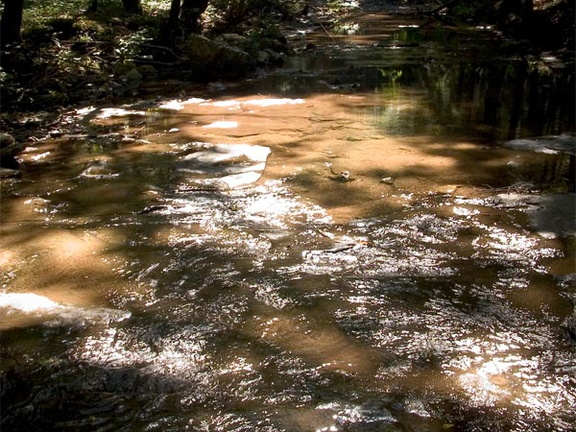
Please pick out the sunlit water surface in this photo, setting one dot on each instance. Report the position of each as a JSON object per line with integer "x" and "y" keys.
{"x": 369, "y": 259}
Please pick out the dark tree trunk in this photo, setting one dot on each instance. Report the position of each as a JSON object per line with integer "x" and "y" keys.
{"x": 519, "y": 93}
{"x": 528, "y": 9}
{"x": 528, "y": 16}
{"x": 173, "y": 20}
{"x": 191, "y": 12}
{"x": 11, "y": 22}
{"x": 132, "y": 6}
{"x": 93, "y": 6}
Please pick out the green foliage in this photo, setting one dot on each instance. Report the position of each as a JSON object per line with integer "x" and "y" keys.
{"x": 391, "y": 82}
{"x": 467, "y": 10}
{"x": 225, "y": 13}
{"x": 69, "y": 53}
{"x": 37, "y": 12}
{"x": 391, "y": 75}
{"x": 342, "y": 6}
{"x": 130, "y": 45}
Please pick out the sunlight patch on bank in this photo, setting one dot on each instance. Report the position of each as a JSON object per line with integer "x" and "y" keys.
{"x": 261, "y": 103}
{"x": 222, "y": 124}
{"x": 177, "y": 105}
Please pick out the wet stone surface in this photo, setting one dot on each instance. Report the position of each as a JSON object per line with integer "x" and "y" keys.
{"x": 141, "y": 295}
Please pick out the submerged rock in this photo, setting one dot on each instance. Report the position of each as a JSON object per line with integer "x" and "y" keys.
{"x": 551, "y": 215}
{"x": 564, "y": 144}
{"x": 9, "y": 149}
{"x": 8, "y": 173}
{"x": 226, "y": 166}
{"x": 553, "y": 144}
{"x": 99, "y": 169}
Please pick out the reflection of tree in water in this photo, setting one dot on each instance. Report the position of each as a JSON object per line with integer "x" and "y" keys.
{"x": 499, "y": 101}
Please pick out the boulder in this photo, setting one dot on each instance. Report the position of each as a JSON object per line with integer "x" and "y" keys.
{"x": 209, "y": 58}
{"x": 8, "y": 173}
{"x": 225, "y": 166}
{"x": 553, "y": 144}
{"x": 9, "y": 148}
{"x": 234, "y": 39}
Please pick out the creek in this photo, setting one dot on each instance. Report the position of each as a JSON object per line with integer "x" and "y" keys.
{"x": 345, "y": 244}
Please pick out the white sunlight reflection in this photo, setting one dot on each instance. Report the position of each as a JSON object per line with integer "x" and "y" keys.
{"x": 496, "y": 378}
{"x": 177, "y": 355}
{"x": 486, "y": 383}
{"x": 106, "y": 113}
{"x": 223, "y": 124}
{"x": 178, "y": 105}
{"x": 26, "y": 302}
{"x": 263, "y": 103}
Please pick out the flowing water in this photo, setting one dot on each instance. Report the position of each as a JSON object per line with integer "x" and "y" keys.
{"x": 342, "y": 245}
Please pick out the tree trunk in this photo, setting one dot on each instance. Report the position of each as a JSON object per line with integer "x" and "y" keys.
{"x": 528, "y": 9}
{"x": 173, "y": 20}
{"x": 520, "y": 86}
{"x": 191, "y": 12}
{"x": 93, "y": 6}
{"x": 11, "y": 22}
{"x": 528, "y": 16}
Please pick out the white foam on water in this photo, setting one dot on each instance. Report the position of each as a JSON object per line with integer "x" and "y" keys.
{"x": 26, "y": 302}
{"x": 54, "y": 314}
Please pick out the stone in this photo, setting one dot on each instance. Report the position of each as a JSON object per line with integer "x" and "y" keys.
{"x": 133, "y": 75}
{"x": 99, "y": 169}
{"x": 553, "y": 144}
{"x": 9, "y": 148}
{"x": 263, "y": 57}
{"x": 447, "y": 189}
{"x": 234, "y": 39}
{"x": 387, "y": 180}
{"x": 226, "y": 166}
{"x": 201, "y": 48}
{"x": 8, "y": 173}
{"x": 550, "y": 215}
{"x": 210, "y": 58}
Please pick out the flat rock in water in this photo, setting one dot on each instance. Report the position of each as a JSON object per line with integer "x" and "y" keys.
{"x": 551, "y": 215}
{"x": 555, "y": 144}
{"x": 7, "y": 173}
{"x": 226, "y": 166}
{"x": 99, "y": 170}
{"x": 9, "y": 146}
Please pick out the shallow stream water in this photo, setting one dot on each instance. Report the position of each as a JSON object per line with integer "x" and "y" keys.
{"x": 343, "y": 245}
